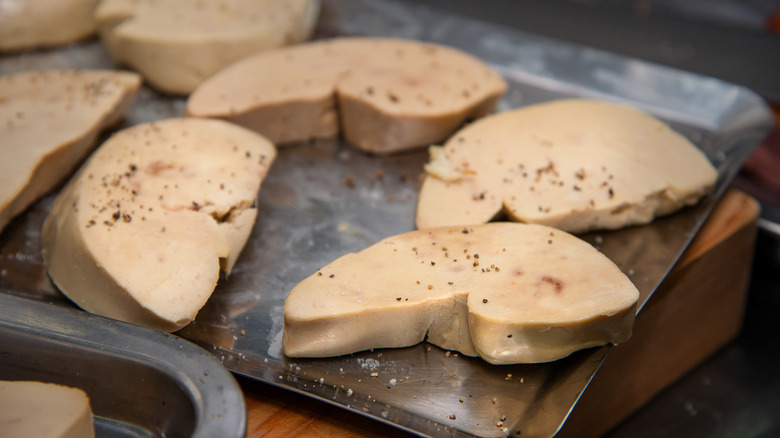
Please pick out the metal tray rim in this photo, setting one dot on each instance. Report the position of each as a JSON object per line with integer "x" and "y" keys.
{"x": 217, "y": 399}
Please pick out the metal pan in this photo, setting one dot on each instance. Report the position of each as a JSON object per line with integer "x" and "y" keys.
{"x": 141, "y": 383}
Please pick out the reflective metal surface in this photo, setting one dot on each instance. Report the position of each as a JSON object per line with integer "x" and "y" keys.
{"x": 141, "y": 383}
{"x": 324, "y": 199}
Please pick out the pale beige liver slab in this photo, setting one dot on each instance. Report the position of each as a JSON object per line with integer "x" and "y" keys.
{"x": 141, "y": 231}
{"x": 49, "y": 122}
{"x": 46, "y": 410}
{"x": 576, "y": 165}
{"x": 382, "y": 94}
{"x": 32, "y": 24}
{"x": 507, "y": 292}
{"x": 176, "y": 44}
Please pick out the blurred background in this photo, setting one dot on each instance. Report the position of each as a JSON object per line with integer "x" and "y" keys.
{"x": 734, "y": 40}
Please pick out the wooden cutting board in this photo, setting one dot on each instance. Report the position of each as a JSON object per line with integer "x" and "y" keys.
{"x": 695, "y": 312}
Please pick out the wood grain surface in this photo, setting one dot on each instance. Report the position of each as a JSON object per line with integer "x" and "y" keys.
{"x": 696, "y": 311}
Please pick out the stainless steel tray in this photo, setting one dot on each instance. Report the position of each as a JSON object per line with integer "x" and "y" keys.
{"x": 141, "y": 383}
{"x": 309, "y": 216}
